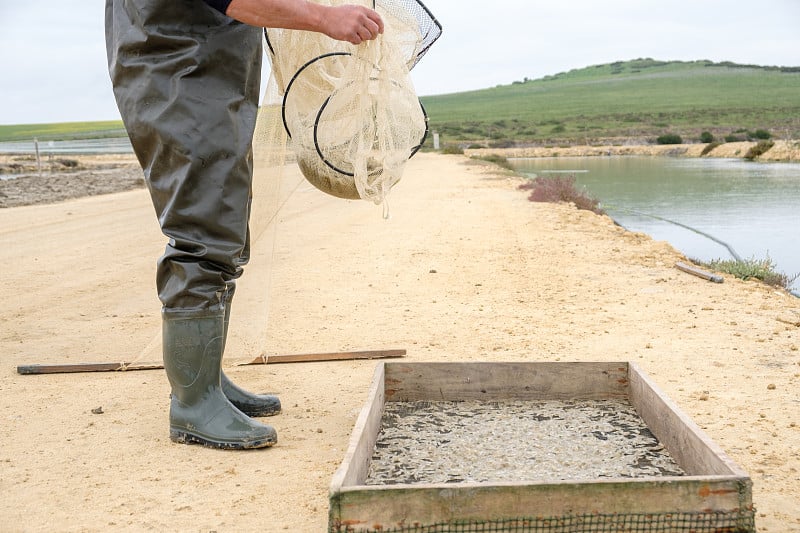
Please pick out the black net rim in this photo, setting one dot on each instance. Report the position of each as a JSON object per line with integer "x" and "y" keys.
{"x": 294, "y": 78}
{"x": 325, "y": 160}
{"x": 428, "y": 37}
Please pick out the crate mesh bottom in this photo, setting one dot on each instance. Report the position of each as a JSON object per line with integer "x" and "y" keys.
{"x": 717, "y": 522}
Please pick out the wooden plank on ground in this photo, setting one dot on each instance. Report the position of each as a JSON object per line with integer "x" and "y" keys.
{"x": 71, "y": 368}
{"x": 694, "y": 271}
{"x": 331, "y": 356}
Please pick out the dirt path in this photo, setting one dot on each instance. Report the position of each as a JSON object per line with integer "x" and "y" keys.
{"x": 466, "y": 269}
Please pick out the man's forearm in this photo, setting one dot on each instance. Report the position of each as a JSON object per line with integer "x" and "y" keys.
{"x": 346, "y": 22}
{"x": 290, "y": 14}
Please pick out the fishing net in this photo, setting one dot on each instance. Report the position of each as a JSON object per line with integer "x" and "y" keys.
{"x": 350, "y": 113}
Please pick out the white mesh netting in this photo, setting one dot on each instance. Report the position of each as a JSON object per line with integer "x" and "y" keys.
{"x": 350, "y": 113}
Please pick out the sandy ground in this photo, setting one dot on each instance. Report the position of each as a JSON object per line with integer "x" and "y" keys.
{"x": 466, "y": 269}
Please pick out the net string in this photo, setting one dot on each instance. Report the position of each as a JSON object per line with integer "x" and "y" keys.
{"x": 384, "y": 102}
{"x": 351, "y": 112}
{"x": 271, "y": 189}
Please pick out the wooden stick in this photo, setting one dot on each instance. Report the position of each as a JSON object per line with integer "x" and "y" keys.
{"x": 86, "y": 367}
{"x": 72, "y": 368}
{"x": 689, "y": 269}
{"x": 333, "y": 356}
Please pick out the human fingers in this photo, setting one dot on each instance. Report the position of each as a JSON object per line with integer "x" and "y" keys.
{"x": 376, "y": 19}
{"x": 354, "y": 24}
{"x": 368, "y": 26}
{"x": 368, "y": 30}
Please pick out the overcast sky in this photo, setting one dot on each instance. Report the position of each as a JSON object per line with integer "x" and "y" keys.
{"x": 53, "y": 66}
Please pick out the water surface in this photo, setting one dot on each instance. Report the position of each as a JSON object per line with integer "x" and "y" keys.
{"x": 752, "y": 207}
{"x": 110, "y": 145}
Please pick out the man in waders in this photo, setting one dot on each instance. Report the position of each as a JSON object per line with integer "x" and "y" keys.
{"x": 186, "y": 76}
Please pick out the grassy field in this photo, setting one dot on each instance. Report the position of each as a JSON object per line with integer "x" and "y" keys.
{"x": 62, "y": 131}
{"x": 640, "y": 99}
{"x": 629, "y": 100}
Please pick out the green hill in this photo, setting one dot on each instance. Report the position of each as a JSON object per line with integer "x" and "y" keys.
{"x": 62, "y": 131}
{"x": 639, "y": 99}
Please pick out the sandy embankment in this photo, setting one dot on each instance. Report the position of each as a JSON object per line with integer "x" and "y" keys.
{"x": 781, "y": 151}
{"x": 59, "y": 178}
{"x": 466, "y": 270}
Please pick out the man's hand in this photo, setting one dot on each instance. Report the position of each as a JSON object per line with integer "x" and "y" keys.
{"x": 351, "y": 23}
{"x": 354, "y": 24}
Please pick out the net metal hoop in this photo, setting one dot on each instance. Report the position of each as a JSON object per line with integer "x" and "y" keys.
{"x": 363, "y": 143}
{"x": 291, "y": 82}
{"x": 427, "y": 37}
{"x": 414, "y": 150}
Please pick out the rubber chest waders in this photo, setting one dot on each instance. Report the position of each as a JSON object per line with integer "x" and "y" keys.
{"x": 186, "y": 80}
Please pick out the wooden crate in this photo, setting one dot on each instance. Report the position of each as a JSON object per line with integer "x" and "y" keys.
{"x": 715, "y": 492}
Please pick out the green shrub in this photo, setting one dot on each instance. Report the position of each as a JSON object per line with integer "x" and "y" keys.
{"x": 762, "y": 269}
{"x": 501, "y": 143}
{"x": 669, "y": 138}
{"x": 709, "y": 147}
{"x": 733, "y": 138}
{"x": 69, "y": 163}
{"x": 560, "y": 189}
{"x": 759, "y": 149}
{"x": 760, "y": 134}
{"x": 706, "y": 137}
{"x": 452, "y": 149}
{"x": 498, "y": 160}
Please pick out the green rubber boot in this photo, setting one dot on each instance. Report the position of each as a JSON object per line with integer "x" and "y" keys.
{"x": 199, "y": 412}
{"x": 247, "y": 402}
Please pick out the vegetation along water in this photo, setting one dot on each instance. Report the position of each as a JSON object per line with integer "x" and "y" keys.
{"x": 752, "y": 207}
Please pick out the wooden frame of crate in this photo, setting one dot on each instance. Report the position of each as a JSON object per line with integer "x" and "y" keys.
{"x": 714, "y": 491}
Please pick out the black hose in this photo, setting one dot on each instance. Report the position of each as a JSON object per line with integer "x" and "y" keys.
{"x": 695, "y": 230}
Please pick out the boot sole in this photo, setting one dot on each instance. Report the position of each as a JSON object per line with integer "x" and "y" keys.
{"x": 184, "y": 437}
{"x": 257, "y": 412}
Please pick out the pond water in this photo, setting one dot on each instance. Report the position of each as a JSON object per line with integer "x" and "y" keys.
{"x": 110, "y": 145}
{"x": 753, "y": 208}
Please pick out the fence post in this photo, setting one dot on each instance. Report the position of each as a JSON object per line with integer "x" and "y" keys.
{"x": 38, "y": 159}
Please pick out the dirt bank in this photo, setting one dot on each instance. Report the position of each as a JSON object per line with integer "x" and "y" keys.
{"x": 466, "y": 269}
{"x": 781, "y": 151}
{"x": 59, "y": 178}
